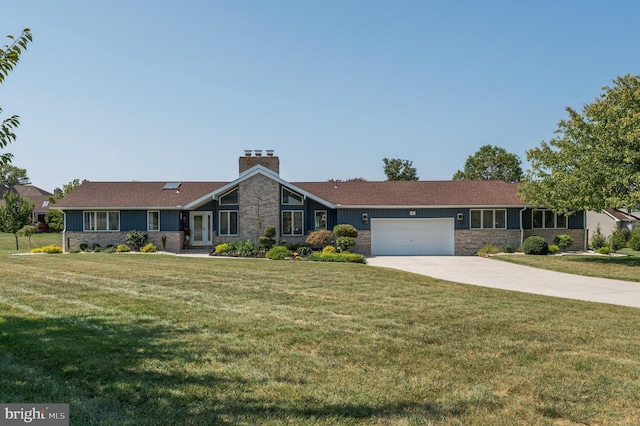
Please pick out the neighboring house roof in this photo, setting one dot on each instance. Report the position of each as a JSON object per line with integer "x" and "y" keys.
{"x": 470, "y": 193}
{"x": 122, "y": 195}
{"x": 39, "y": 197}
{"x": 621, "y": 216}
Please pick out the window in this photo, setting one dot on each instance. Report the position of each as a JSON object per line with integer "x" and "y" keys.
{"x": 488, "y": 219}
{"x": 153, "y": 220}
{"x": 230, "y": 198}
{"x": 228, "y": 223}
{"x": 321, "y": 220}
{"x": 547, "y": 219}
{"x": 290, "y": 198}
{"x": 101, "y": 221}
{"x": 292, "y": 222}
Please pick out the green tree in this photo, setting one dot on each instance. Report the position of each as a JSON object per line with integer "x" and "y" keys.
{"x": 54, "y": 220}
{"x": 491, "y": 163}
{"x": 9, "y": 57}
{"x": 28, "y": 231}
{"x": 15, "y": 213}
{"x": 12, "y": 176}
{"x": 58, "y": 193}
{"x": 397, "y": 169}
{"x": 594, "y": 161}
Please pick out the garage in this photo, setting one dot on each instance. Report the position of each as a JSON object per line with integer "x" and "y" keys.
{"x": 406, "y": 237}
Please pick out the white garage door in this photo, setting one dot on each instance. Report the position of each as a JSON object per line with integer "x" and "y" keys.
{"x": 403, "y": 237}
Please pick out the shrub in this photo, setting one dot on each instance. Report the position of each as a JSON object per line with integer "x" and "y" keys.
{"x": 136, "y": 239}
{"x": 337, "y": 257}
{"x": 122, "y": 248}
{"x": 535, "y": 245}
{"x": 634, "y": 240}
{"x": 110, "y": 249}
{"x": 84, "y": 246}
{"x": 329, "y": 250}
{"x": 244, "y": 248}
{"x": 604, "y": 250}
{"x": 487, "y": 249}
{"x": 47, "y": 249}
{"x": 505, "y": 248}
{"x": 618, "y": 240}
{"x": 345, "y": 243}
{"x": 221, "y": 248}
{"x": 563, "y": 241}
{"x": 96, "y": 247}
{"x": 597, "y": 239}
{"x": 305, "y": 251}
{"x": 163, "y": 239}
{"x": 345, "y": 230}
{"x": 278, "y": 253}
{"x": 148, "y": 248}
{"x": 266, "y": 240}
{"x": 319, "y": 238}
{"x": 553, "y": 249}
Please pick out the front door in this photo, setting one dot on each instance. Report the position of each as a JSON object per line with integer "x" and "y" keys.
{"x": 200, "y": 228}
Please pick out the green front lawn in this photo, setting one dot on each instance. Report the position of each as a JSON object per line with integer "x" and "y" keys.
{"x": 8, "y": 242}
{"x": 625, "y": 268}
{"x": 158, "y": 339}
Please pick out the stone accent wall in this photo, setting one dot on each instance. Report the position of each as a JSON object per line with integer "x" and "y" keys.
{"x": 468, "y": 241}
{"x": 259, "y": 200}
{"x": 72, "y": 240}
{"x": 363, "y": 243}
{"x": 550, "y": 234}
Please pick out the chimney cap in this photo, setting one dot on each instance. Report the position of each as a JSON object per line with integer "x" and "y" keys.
{"x": 258, "y": 152}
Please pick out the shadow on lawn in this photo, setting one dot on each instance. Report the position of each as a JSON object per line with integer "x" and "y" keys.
{"x": 114, "y": 373}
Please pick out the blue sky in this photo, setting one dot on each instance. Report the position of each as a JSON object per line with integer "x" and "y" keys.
{"x": 176, "y": 90}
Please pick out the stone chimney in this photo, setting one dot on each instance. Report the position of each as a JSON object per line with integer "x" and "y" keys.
{"x": 269, "y": 161}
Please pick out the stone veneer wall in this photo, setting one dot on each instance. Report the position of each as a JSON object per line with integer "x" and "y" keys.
{"x": 72, "y": 240}
{"x": 363, "y": 243}
{"x": 259, "y": 200}
{"x": 467, "y": 241}
{"x": 550, "y": 234}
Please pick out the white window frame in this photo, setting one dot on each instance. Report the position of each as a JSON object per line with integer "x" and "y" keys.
{"x": 545, "y": 225}
{"x": 92, "y": 215}
{"x": 293, "y": 214}
{"x": 228, "y": 214}
{"x": 493, "y": 218}
{"x": 149, "y": 222}
{"x": 324, "y": 216}
{"x": 295, "y": 194}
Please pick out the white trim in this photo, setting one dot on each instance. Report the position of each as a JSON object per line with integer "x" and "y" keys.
{"x": 206, "y": 228}
{"x": 148, "y": 222}
{"x": 255, "y": 170}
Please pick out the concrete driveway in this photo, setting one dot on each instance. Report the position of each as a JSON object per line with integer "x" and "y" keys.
{"x": 485, "y": 272}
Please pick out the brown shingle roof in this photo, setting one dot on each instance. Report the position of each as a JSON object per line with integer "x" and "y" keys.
{"x": 352, "y": 193}
{"x": 416, "y": 193}
{"x": 135, "y": 194}
{"x": 39, "y": 197}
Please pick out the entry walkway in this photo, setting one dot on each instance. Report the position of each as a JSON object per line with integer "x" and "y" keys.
{"x": 485, "y": 272}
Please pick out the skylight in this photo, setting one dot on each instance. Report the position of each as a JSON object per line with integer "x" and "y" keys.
{"x": 172, "y": 185}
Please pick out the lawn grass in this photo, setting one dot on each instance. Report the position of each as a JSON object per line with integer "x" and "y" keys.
{"x": 8, "y": 242}
{"x": 158, "y": 339}
{"x": 625, "y": 268}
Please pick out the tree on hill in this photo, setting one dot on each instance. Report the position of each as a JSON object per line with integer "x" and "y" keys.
{"x": 397, "y": 169}
{"x": 12, "y": 176}
{"x": 491, "y": 163}
{"x": 9, "y": 58}
{"x": 594, "y": 162}
{"x": 15, "y": 213}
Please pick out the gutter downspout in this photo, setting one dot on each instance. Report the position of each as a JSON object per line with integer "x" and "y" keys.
{"x": 521, "y": 227}
{"x": 64, "y": 232}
